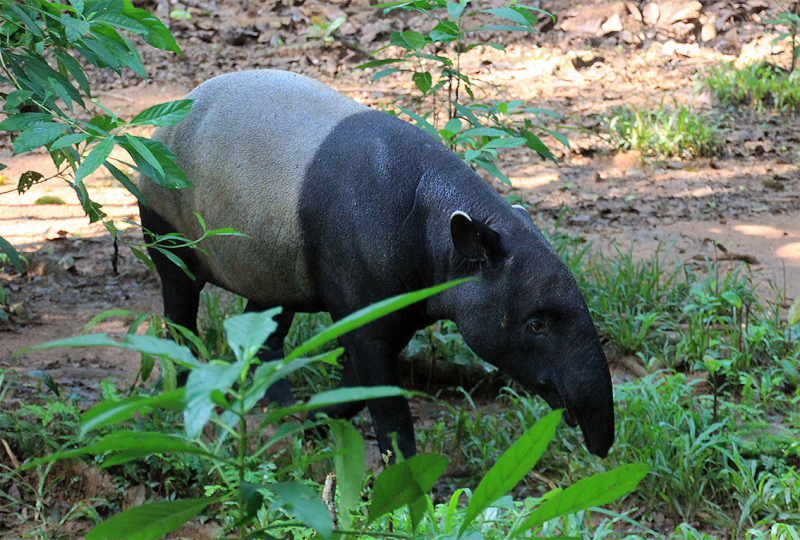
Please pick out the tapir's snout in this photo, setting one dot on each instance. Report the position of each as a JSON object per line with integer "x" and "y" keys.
{"x": 589, "y": 405}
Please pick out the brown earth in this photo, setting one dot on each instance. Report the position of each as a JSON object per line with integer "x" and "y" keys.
{"x": 742, "y": 205}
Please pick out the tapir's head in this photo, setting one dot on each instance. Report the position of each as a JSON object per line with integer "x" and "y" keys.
{"x": 526, "y": 315}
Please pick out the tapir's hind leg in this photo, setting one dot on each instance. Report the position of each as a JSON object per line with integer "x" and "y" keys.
{"x": 181, "y": 293}
{"x": 279, "y": 392}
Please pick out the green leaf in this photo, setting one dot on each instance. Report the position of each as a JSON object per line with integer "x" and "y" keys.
{"x": 455, "y": 9}
{"x": 150, "y": 521}
{"x": 423, "y": 80}
{"x": 23, "y": 16}
{"x": 123, "y": 179}
{"x": 515, "y": 15}
{"x": 247, "y": 332}
{"x": 202, "y": 381}
{"x": 120, "y": 21}
{"x": 163, "y": 114}
{"x": 173, "y": 176}
{"x": 384, "y": 73}
{"x": 95, "y": 158}
{"x": 596, "y": 490}
{"x": 403, "y": 483}
{"x": 74, "y": 28}
{"x": 75, "y": 69}
{"x": 349, "y": 466}
{"x": 12, "y": 254}
{"x": 409, "y": 39}
{"x": 136, "y": 144}
{"x": 303, "y": 503}
{"x": 339, "y": 395}
{"x": 108, "y": 413}
{"x": 484, "y": 132}
{"x": 27, "y": 179}
{"x": 68, "y": 140}
{"x": 19, "y": 122}
{"x": 378, "y": 63}
{"x": 513, "y": 466}
{"x": 38, "y": 135}
{"x": 504, "y": 142}
{"x": 157, "y": 34}
{"x": 369, "y": 314}
{"x": 14, "y": 100}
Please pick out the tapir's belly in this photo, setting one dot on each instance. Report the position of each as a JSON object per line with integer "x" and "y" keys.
{"x": 246, "y": 146}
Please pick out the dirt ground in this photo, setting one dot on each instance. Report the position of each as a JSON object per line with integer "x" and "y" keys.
{"x": 746, "y": 200}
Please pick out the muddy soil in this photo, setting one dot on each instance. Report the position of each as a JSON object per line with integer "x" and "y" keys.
{"x": 742, "y": 205}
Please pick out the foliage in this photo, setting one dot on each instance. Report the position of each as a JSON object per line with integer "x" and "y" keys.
{"x": 792, "y": 21}
{"x": 761, "y": 85}
{"x": 476, "y": 130}
{"x": 44, "y": 47}
{"x": 662, "y": 132}
{"x": 223, "y": 386}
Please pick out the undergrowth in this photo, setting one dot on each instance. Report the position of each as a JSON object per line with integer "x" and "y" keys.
{"x": 662, "y": 132}
{"x": 761, "y": 85}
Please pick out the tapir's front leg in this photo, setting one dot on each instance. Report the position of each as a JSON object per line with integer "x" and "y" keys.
{"x": 375, "y": 363}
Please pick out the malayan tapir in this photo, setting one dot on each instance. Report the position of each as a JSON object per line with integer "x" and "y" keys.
{"x": 342, "y": 206}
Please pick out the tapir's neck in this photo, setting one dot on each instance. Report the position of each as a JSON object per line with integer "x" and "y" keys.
{"x": 438, "y": 196}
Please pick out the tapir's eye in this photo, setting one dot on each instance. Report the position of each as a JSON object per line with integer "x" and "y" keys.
{"x": 536, "y": 326}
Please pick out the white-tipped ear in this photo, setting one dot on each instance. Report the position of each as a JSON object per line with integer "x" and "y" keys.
{"x": 459, "y": 213}
{"x": 518, "y": 206}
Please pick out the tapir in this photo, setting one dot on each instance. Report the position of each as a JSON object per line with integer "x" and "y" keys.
{"x": 341, "y": 206}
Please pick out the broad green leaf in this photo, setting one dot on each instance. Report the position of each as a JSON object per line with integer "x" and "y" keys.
{"x": 514, "y": 15}
{"x": 253, "y": 501}
{"x": 136, "y": 144}
{"x": 247, "y": 332}
{"x": 150, "y": 521}
{"x": 74, "y": 28}
{"x": 15, "y": 99}
{"x": 596, "y": 490}
{"x": 27, "y": 179}
{"x": 173, "y": 176}
{"x": 20, "y": 121}
{"x": 369, "y": 314}
{"x": 504, "y": 142}
{"x": 423, "y": 80}
{"x": 13, "y": 256}
{"x": 75, "y": 69}
{"x": 107, "y": 413}
{"x": 120, "y": 21}
{"x": 95, "y": 158}
{"x": 455, "y": 9}
{"x": 22, "y": 15}
{"x": 378, "y": 63}
{"x": 513, "y": 466}
{"x": 126, "y": 182}
{"x": 349, "y": 466}
{"x": 303, "y": 503}
{"x": 68, "y": 140}
{"x": 202, "y": 381}
{"x": 38, "y": 135}
{"x": 157, "y": 34}
{"x": 405, "y": 482}
{"x": 384, "y": 73}
{"x": 409, "y": 39}
{"x": 484, "y": 132}
{"x": 180, "y": 354}
{"x": 163, "y": 114}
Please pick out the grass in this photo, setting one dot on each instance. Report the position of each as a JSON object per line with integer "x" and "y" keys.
{"x": 717, "y": 419}
{"x": 662, "y": 132}
{"x": 760, "y": 85}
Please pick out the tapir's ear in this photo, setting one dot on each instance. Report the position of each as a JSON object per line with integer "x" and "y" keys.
{"x": 519, "y": 209}
{"x": 473, "y": 239}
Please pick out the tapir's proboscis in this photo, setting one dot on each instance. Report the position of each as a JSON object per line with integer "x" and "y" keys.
{"x": 342, "y": 206}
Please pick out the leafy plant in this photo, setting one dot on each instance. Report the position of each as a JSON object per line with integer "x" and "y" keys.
{"x": 662, "y": 132}
{"x": 476, "y": 130}
{"x": 223, "y": 386}
{"x": 761, "y": 85}
{"x": 43, "y": 49}
{"x": 321, "y": 29}
{"x": 792, "y": 21}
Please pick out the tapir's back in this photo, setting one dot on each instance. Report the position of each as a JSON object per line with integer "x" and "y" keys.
{"x": 245, "y": 146}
